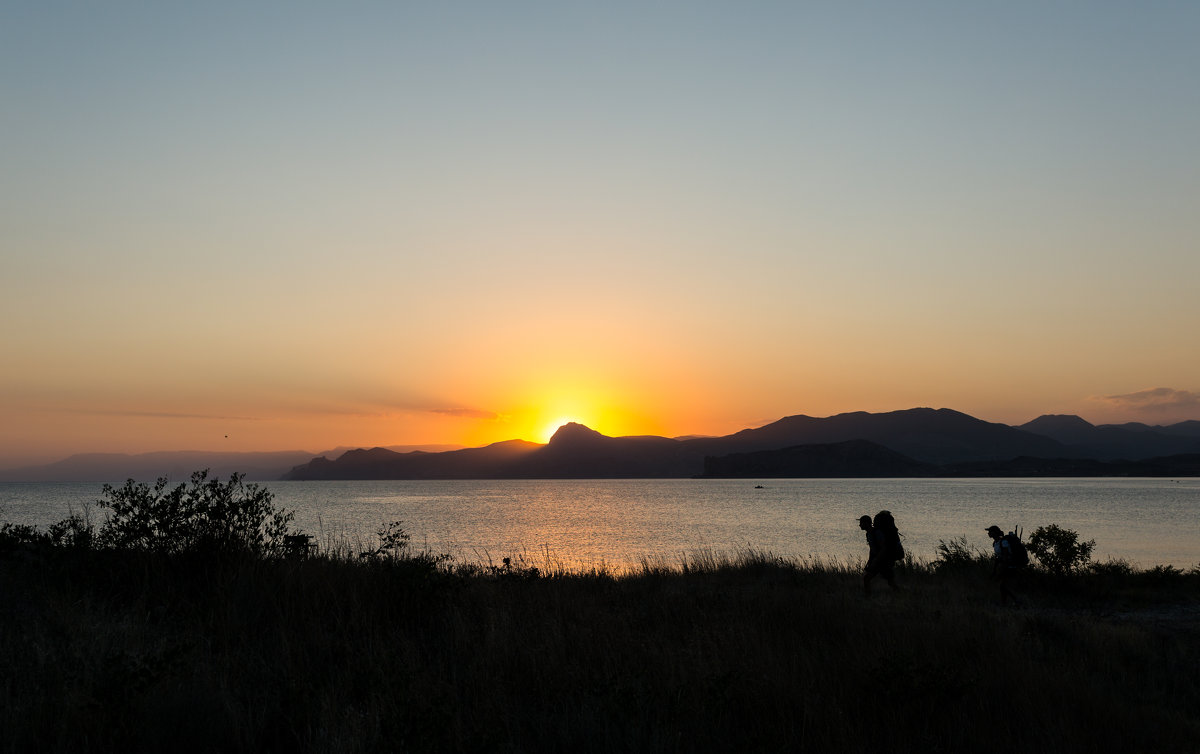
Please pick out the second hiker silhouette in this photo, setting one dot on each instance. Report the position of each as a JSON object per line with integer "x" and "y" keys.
{"x": 1009, "y": 561}
{"x": 883, "y": 539}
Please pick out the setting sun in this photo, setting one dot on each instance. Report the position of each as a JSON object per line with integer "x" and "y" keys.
{"x": 583, "y": 402}
{"x": 549, "y": 430}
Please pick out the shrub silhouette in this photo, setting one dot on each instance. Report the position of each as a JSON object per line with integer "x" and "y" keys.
{"x": 957, "y": 554}
{"x": 393, "y": 542}
{"x": 207, "y": 515}
{"x": 1059, "y": 550}
{"x": 74, "y": 533}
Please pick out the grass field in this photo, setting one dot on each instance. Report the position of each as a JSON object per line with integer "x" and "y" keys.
{"x": 106, "y": 650}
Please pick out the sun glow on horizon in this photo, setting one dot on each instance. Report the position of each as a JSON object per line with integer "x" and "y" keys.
{"x": 559, "y": 399}
{"x": 552, "y": 427}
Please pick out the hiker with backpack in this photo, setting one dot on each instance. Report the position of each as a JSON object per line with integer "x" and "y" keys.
{"x": 883, "y": 539}
{"x": 1010, "y": 560}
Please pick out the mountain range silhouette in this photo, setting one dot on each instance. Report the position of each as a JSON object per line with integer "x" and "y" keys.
{"x": 912, "y": 442}
{"x": 907, "y": 443}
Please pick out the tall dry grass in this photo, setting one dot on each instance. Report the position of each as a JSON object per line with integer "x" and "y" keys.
{"x": 106, "y": 650}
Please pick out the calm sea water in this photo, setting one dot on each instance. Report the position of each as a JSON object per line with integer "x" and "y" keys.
{"x": 616, "y": 523}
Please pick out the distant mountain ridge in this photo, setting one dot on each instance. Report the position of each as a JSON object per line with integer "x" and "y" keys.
{"x": 860, "y": 458}
{"x": 926, "y": 440}
{"x": 923, "y": 434}
{"x": 849, "y": 459}
{"x": 174, "y": 465}
{"x": 490, "y": 461}
{"x": 1111, "y": 442}
{"x": 919, "y": 441}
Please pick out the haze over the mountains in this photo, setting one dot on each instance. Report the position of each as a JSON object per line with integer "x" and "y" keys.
{"x": 177, "y": 465}
{"x": 913, "y": 442}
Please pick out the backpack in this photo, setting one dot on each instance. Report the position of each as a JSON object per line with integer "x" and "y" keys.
{"x": 885, "y": 523}
{"x": 1018, "y": 556}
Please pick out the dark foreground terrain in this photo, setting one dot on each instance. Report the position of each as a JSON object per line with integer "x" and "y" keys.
{"x": 129, "y": 651}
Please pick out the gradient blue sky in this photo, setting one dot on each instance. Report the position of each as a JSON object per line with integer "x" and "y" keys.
{"x": 254, "y": 226}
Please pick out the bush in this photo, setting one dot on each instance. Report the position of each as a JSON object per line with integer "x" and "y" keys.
{"x": 956, "y": 554}
{"x": 205, "y": 516}
{"x": 75, "y": 531}
{"x": 1059, "y": 550}
{"x": 14, "y": 537}
{"x": 1164, "y": 573}
{"x": 393, "y": 542}
{"x": 1112, "y": 567}
{"x": 394, "y": 551}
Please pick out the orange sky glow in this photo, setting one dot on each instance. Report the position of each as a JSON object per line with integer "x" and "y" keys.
{"x": 224, "y": 228}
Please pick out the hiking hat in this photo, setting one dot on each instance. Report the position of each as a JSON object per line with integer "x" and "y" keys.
{"x": 867, "y": 519}
{"x": 995, "y": 529}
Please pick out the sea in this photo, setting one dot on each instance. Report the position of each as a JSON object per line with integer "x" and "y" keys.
{"x": 618, "y": 524}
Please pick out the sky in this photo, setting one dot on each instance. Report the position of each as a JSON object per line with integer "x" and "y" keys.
{"x": 267, "y": 226}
